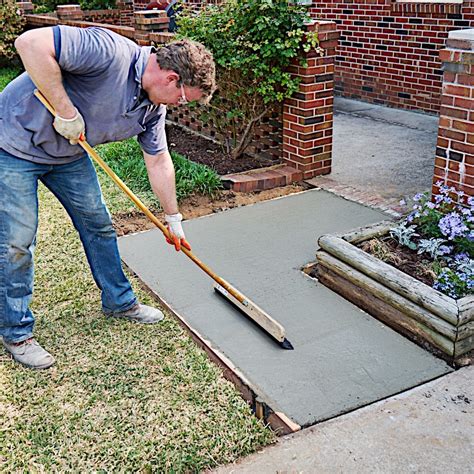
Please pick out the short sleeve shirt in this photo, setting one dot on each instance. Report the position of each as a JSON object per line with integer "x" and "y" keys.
{"x": 102, "y": 74}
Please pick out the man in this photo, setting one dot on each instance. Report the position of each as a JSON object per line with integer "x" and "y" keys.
{"x": 108, "y": 88}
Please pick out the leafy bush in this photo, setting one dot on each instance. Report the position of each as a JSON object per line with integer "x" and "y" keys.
{"x": 11, "y": 25}
{"x": 126, "y": 159}
{"x": 253, "y": 43}
{"x": 42, "y": 6}
{"x": 7, "y": 74}
{"x": 446, "y": 231}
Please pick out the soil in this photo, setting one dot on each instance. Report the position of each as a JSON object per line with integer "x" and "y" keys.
{"x": 206, "y": 152}
{"x": 403, "y": 258}
{"x": 197, "y": 206}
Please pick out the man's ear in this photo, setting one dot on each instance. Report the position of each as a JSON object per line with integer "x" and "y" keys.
{"x": 171, "y": 77}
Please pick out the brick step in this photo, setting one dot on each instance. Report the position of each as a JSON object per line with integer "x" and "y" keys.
{"x": 264, "y": 178}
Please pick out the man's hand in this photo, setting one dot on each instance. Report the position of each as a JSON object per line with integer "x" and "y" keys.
{"x": 175, "y": 231}
{"x": 72, "y": 128}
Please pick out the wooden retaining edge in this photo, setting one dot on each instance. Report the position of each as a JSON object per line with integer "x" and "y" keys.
{"x": 380, "y": 309}
{"x": 367, "y": 232}
{"x": 389, "y": 296}
{"x": 391, "y": 277}
{"x": 465, "y": 304}
{"x": 466, "y": 309}
{"x": 464, "y": 346}
{"x": 278, "y": 421}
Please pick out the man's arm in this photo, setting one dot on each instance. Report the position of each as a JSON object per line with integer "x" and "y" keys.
{"x": 162, "y": 179}
{"x": 36, "y": 50}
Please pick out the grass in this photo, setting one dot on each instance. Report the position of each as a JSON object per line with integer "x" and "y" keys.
{"x": 122, "y": 397}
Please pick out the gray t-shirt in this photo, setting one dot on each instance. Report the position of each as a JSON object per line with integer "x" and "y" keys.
{"x": 102, "y": 74}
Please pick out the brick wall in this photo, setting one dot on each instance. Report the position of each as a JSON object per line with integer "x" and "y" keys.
{"x": 454, "y": 164}
{"x": 389, "y": 52}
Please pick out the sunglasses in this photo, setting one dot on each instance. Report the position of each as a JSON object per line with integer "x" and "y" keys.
{"x": 183, "y": 100}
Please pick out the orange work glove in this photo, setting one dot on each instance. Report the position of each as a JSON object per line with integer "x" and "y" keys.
{"x": 175, "y": 231}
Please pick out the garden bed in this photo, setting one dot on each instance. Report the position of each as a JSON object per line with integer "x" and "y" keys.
{"x": 425, "y": 315}
{"x": 207, "y": 152}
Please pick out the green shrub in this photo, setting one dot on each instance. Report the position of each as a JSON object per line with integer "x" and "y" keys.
{"x": 11, "y": 25}
{"x": 253, "y": 43}
{"x": 7, "y": 74}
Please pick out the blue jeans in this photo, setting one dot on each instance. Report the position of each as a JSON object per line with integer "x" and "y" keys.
{"x": 77, "y": 188}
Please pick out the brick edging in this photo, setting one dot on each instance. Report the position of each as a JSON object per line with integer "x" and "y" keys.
{"x": 261, "y": 179}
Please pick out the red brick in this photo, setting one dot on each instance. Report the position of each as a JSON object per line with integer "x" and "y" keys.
{"x": 453, "y": 112}
{"x": 463, "y": 147}
{"x": 459, "y": 136}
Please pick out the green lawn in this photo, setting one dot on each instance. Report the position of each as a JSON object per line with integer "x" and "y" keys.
{"x": 122, "y": 397}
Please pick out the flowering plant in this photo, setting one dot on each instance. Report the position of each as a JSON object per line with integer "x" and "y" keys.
{"x": 443, "y": 229}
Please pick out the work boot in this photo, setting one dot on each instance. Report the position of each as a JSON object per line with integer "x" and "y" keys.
{"x": 30, "y": 354}
{"x": 140, "y": 313}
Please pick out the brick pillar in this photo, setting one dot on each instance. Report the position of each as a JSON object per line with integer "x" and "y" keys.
{"x": 140, "y": 4}
{"x": 454, "y": 164}
{"x": 308, "y": 115}
{"x": 25, "y": 7}
{"x": 126, "y": 12}
{"x": 69, "y": 12}
{"x": 149, "y": 21}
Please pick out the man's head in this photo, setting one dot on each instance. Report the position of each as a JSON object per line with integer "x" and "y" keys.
{"x": 180, "y": 72}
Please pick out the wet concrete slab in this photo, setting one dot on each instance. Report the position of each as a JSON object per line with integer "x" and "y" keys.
{"x": 343, "y": 358}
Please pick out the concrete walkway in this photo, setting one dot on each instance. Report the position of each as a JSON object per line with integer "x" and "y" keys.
{"x": 343, "y": 358}
{"x": 429, "y": 429}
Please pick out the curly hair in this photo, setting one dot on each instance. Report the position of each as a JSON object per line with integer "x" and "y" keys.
{"x": 193, "y": 62}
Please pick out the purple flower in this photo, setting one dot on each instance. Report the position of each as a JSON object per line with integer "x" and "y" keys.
{"x": 452, "y": 226}
{"x": 444, "y": 250}
{"x": 462, "y": 257}
{"x": 438, "y": 198}
{"x": 417, "y": 197}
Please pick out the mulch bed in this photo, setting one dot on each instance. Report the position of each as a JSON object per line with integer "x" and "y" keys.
{"x": 402, "y": 258}
{"x": 201, "y": 150}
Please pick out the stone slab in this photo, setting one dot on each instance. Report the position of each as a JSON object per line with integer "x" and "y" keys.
{"x": 343, "y": 358}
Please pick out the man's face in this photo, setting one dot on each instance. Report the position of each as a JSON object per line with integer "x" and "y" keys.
{"x": 163, "y": 87}
{"x": 174, "y": 94}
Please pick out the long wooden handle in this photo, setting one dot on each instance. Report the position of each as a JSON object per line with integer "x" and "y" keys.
{"x": 91, "y": 152}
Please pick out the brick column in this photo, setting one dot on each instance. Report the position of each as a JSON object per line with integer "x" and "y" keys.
{"x": 308, "y": 115}
{"x": 140, "y": 4}
{"x": 25, "y": 8}
{"x": 69, "y": 12}
{"x": 149, "y": 21}
{"x": 126, "y": 12}
{"x": 454, "y": 164}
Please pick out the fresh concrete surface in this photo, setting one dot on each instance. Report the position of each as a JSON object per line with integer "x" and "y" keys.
{"x": 343, "y": 358}
{"x": 387, "y": 152}
{"x": 429, "y": 429}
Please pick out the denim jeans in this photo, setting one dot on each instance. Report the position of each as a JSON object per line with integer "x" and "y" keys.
{"x": 77, "y": 188}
